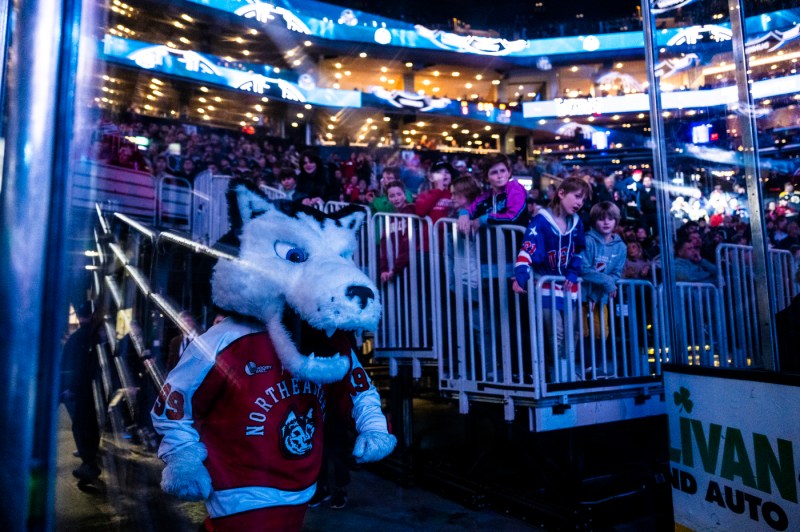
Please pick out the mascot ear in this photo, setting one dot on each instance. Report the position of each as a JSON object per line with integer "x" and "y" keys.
{"x": 251, "y": 204}
{"x": 353, "y": 221}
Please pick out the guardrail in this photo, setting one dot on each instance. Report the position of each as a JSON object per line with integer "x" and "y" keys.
{"x": 738, "y": 290}
{"x": 451, "y": 305}
{"x": 209, "y": 208}
{"x": 406, "y": 327}
{"x": 118, "y": 189}
{"x": 174, "y": 203}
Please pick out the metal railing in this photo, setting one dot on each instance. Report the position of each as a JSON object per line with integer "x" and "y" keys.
{"x": 451, "y": 304}
{"x": 406, "y": 328}
{"x": 739, "y": 291}
{"x": 174, "y": 201}
{"x": 209, "y": 208}
{"x": 272, "y": 192}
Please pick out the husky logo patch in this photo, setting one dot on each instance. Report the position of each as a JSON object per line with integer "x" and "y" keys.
{"x": 297, "y": 434}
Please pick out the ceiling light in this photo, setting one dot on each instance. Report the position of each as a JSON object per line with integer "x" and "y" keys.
{"x": 456, "y": 74}
{"x": 362, "y": 54}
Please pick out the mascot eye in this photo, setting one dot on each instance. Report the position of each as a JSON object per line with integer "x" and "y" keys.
{"x": 289, "y": 252}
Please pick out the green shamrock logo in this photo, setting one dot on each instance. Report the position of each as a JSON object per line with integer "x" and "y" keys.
{"x": 682, "y": 400}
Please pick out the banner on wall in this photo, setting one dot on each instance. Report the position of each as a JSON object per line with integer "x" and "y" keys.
{"x": 734, "y": 449}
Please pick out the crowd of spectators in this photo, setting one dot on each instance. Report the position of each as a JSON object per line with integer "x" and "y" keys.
{"x": 362, "y": 176}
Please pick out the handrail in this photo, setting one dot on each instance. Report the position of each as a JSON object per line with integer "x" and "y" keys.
{"x": 137, "y": 225}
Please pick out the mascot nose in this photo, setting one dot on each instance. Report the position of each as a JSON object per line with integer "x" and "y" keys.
{"x": 363, "y": 293}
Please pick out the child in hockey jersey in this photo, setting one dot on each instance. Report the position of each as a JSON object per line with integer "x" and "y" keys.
{"x": 552, "y": 247}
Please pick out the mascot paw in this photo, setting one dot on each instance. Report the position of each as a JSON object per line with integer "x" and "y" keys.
{"x": 186, "y": 477}
{"x": 372, "y": 446}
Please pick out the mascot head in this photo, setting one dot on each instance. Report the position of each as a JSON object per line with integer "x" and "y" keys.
{"x": 297, "y": 262}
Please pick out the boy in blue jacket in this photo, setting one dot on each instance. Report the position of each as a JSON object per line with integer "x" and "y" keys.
{"x": 605, "y": 254}
{"x": 552, "y": 246}
{"x": 601, "y": 268}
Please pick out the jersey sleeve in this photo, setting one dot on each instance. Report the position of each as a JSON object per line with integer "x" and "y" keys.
{"x": 359, "y": 398}
{"x": 184, "y": 398}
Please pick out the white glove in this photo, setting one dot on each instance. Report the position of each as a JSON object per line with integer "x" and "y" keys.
{"x": 373, "y": 445}
{"x": 185, "y": 475}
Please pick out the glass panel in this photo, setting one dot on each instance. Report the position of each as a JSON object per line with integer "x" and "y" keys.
{"x": 718, "y": 167}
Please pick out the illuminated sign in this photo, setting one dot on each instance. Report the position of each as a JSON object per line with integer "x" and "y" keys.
{"x": 576, "y": 106}
{"x": 265, "y": 13}
{"x": 410, "y": 100}
{"x": 693, "y": 34}
{"x": 662, "y": 6}
{"x": 327, "y": 21}
{"x": 471, "y": 43}
{"x": 669, "y": 67}
{"x": 772, "y": 40}
{"x": 692, "y": 99}
{"x": 210, "y": 69}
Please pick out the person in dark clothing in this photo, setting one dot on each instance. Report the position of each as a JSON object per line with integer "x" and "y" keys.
{"x": 647, "y": 205}
{"x": 313, "y": 181}
{"x": 789, "y": 335}
{"x": 79, "y": 367}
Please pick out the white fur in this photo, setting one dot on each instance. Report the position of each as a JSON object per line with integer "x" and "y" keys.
{"x": 259, "y": 283}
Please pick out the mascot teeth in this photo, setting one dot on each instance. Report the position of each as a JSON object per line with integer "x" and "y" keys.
{"x": 329, "y": 331}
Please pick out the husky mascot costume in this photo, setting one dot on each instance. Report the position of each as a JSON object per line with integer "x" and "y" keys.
{"x": 242, "y": 413}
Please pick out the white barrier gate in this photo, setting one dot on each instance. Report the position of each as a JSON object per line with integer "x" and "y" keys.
{"x": 406, "y": 328}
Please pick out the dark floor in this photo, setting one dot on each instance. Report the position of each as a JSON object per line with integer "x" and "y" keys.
{"x": 127, "y": 497}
